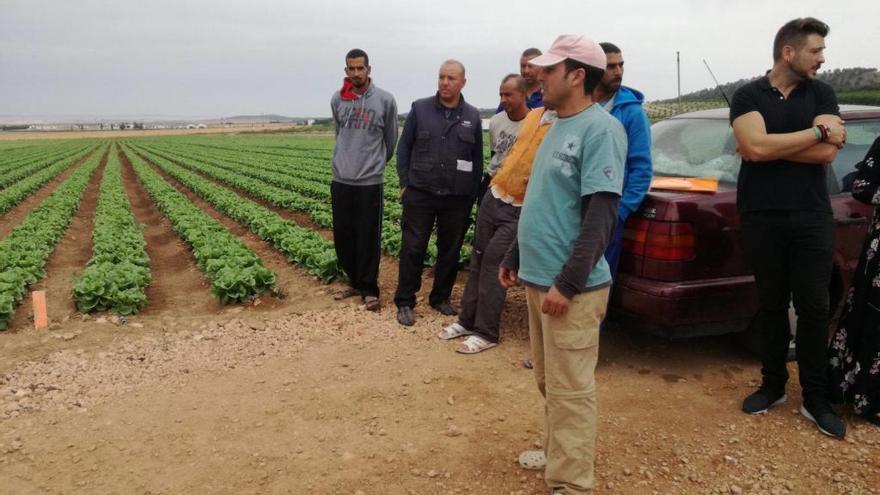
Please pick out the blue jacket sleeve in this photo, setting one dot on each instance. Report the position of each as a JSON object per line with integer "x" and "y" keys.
{"x": 404, "y": 147}
{"x": 639, "y": 168}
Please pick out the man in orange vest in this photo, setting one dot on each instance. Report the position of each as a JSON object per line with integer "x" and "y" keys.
{"x": 497, "y": 218}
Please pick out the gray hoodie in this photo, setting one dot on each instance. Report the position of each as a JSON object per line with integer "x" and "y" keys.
{"x": 366, "y": 134}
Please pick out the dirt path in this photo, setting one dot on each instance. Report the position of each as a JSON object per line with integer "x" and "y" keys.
{"x": 14, "y": 216}
{"x": 345, "y": 401}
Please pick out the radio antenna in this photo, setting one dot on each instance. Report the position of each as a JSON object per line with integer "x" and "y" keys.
{"x": 716, "y": 82}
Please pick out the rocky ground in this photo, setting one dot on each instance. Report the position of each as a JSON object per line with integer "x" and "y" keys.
{"x": 322, "y": 397}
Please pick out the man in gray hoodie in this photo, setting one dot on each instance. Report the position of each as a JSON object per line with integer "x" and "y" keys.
{"x": 366, "y": 133}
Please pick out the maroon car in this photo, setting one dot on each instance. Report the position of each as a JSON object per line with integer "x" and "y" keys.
{"x": 683, "y": 270}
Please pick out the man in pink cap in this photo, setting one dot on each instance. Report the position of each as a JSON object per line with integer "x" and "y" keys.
{"x": 565, "y": 226}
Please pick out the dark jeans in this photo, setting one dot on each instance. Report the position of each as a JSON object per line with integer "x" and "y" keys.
{"x": 484, "y": 186}
{"x": 357, "y": 232}
{"x": 421, "y": 210}
{"x": 483, "y": 297}
{"x": 791, "y": 254}
{"x": 612, "y": 256}
{"x": 612, "y": 252}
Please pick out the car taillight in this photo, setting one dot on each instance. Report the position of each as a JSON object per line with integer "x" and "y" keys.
{"x": 666, "y": 241}
{"x": 635, "y": 232}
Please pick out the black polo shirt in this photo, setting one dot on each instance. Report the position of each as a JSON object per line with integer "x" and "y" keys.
{"x": 783, "y": 184}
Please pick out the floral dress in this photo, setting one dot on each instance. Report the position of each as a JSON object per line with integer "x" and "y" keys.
{"x": 854, "y": 355}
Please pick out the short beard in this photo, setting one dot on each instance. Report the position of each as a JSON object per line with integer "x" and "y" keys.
{"x": 608, "y": 88}
{"x": 803, "y": 75}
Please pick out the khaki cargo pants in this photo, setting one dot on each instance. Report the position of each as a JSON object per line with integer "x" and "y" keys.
{"x": 564, "y": 353}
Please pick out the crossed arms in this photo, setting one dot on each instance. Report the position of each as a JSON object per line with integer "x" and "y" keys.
{"x": 756, "y": 145}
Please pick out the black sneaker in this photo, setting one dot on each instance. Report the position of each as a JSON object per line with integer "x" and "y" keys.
{"x": 445, "y": 308}
{"x": 821, "y": 413}
{"x": 762, "y": 400}
{"x": 405, "y": 316}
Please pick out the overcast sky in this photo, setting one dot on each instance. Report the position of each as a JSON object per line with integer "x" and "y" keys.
{"x": 224, "y": 57}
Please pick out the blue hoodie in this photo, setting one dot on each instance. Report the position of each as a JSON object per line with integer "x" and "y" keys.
{"x": 627, "y": 109}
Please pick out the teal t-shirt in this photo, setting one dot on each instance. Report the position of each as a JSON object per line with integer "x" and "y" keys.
{"x": 580, "y": 155}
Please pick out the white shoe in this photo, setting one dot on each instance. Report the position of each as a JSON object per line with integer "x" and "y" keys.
{"x": 533, "y": 459}
{"x": 452, "y": 332}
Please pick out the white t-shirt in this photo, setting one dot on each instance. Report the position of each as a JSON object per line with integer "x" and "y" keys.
{"x": 502, "y": 134}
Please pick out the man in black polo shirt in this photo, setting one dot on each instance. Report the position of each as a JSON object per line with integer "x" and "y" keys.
{"x": 788, "y": 130}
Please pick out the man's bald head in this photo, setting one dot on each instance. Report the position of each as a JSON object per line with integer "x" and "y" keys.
{"x": 455, "y": 63}
{"x": 450, "y": 81}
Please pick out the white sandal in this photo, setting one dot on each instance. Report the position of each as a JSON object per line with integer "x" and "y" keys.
{"x": 533, "y": 459}
{"x": 474, "y": 344}
{"x": 452, "y": 332}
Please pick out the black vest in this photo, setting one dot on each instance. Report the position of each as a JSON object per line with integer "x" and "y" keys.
{"x": 444, "y": 150}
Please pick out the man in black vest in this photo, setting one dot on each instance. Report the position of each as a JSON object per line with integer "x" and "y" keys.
{"x": 439, "y": 164}
{"x": 788, "y": 130}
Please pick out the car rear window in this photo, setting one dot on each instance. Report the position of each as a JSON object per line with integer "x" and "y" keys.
{"x": 694, "y": 148}
{"x": 706, "y": 148}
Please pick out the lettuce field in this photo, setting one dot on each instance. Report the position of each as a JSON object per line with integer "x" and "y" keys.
{"x": 205, "y": 194}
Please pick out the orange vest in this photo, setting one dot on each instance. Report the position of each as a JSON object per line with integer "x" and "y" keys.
{"x": 513, "y": 176}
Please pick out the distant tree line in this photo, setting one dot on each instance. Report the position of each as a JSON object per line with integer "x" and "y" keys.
{"x": 856, "y": 85}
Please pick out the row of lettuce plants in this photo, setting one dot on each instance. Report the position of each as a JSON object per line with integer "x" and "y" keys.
{"x": 118, "y": 273}
{"x": 235, "y": 272}
{"x": 11, "y": 159}
{"x": 24, "y": 170}
{"x": 23, "y": 253}
{"x": 236, "y": 172}
{"x": 17, "y": 192}
{"x": 278, "y": 190}
{"x": 300, "y": 245}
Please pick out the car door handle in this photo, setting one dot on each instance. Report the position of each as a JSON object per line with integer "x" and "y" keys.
{"x": 852, "y": 220}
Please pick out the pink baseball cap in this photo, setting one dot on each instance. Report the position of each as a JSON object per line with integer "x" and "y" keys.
{"x": 573, "y": 46}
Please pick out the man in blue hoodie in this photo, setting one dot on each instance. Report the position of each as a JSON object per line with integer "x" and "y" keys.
{"x": 625, "y": 104}
{"x": 365, "y": 118}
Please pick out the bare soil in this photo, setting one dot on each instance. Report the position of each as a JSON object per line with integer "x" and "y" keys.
{"x": 346, "y": 401}
{"x": 307, "y": 395}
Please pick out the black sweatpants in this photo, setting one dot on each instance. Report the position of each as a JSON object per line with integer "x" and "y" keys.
{"x": 791, "y": 253}
{"x": 357, "y": 232}
{"x": 421, "y": 210}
